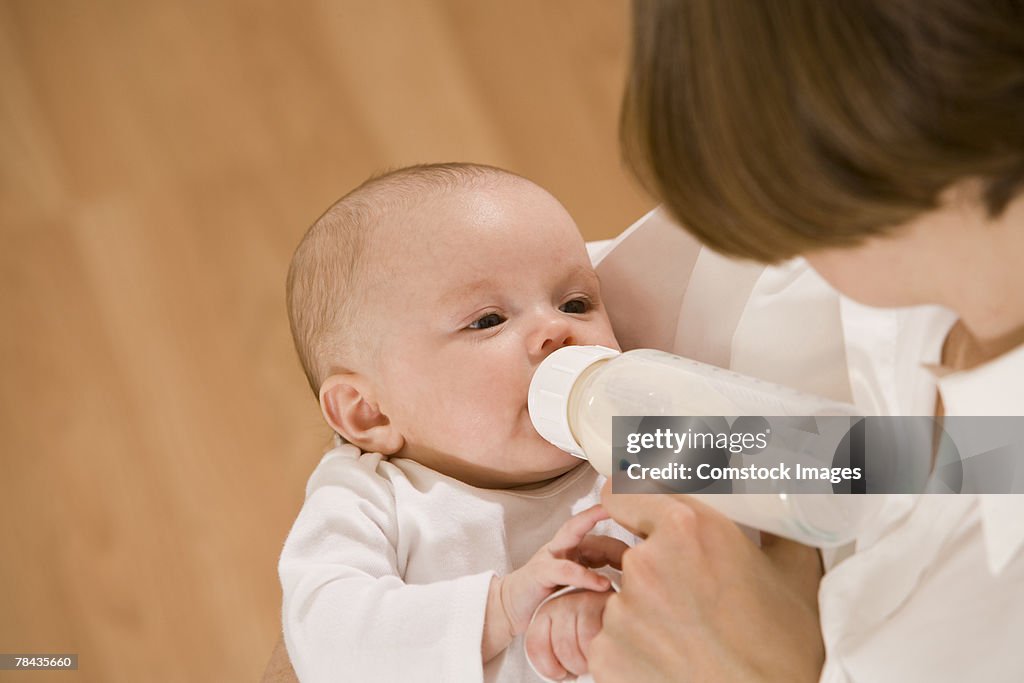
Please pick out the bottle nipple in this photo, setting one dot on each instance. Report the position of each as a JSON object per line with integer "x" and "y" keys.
{"x": 551, "y": 387}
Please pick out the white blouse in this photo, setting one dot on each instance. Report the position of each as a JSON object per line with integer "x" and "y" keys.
{"x": 934, "y": 590}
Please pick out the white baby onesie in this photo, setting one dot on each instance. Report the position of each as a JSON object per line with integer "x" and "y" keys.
{"x": 386, "y": 571}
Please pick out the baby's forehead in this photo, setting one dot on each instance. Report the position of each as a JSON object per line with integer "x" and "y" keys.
{"x": 473, "y": 210}
{"x": 490, "y": 224}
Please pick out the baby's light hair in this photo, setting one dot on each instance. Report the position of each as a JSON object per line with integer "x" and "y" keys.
{"x": 326, "y": 281}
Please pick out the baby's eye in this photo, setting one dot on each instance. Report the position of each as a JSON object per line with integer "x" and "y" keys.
{"x": 575, "y": 306}
{"x": 489, "y": 320}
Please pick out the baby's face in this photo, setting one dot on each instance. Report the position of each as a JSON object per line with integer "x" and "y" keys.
{"x": 466, "y": 305}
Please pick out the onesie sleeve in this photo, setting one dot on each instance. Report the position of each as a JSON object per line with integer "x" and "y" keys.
{"x": 347, "y": 613}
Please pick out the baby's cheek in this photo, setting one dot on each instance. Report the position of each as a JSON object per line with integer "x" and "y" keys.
{"x": 487, "y": 413}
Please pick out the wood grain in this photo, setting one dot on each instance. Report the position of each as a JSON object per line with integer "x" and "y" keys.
{"x": 158, "y": 163}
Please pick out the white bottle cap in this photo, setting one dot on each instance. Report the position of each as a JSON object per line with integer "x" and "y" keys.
{"x": 548, "y": 400}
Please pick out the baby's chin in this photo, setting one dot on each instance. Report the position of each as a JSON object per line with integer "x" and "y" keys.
{"x": 559, "y": 459}
{"x": 551, "y": 461}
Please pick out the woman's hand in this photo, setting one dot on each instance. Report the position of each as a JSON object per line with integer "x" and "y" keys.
{"x": 701, "y": 602}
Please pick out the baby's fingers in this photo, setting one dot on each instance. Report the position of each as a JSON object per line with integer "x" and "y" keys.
{"x": 589, "y": 619}
{"x": 565, "y": 643}
{"x": 568, "y": 573}
{"x": 574, "y": 530}
{"x": 539, "y": 650}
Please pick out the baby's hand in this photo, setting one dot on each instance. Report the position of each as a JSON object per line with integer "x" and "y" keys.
{"x": 564, "y": 561}
{"x": 558, "y": 639}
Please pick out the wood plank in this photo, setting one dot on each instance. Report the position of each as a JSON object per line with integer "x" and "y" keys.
{"x": 158, "y": 163}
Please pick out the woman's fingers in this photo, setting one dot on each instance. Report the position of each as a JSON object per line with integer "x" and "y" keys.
{"x": 601, "y": 551}
{"x": 642, "y": 513}
{"x": 697, "y": 594}
{"x": 637, "y": 512}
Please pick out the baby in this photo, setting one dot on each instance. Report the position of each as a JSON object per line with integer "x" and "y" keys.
{"x": 420, "y": 304}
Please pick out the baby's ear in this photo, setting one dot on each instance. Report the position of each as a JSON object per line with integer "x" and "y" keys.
{"x": 349, "y": 408}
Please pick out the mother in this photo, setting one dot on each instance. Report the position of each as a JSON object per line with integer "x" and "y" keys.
{"x": 883, "y": 140}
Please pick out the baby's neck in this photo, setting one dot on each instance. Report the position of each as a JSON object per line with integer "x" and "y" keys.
{"x": 534, "y": 485}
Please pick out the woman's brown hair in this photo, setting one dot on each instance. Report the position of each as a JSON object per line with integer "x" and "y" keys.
{"x": 772, "y": 128}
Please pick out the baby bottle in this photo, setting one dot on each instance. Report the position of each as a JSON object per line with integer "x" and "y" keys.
{"x": 577, "y": 390}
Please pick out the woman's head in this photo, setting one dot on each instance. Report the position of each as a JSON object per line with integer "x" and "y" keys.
{"x": 772, "y": 129}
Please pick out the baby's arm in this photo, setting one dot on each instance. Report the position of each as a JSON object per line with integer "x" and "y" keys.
{"x": 512, "y": 599}
{"x": 348, "y": 613}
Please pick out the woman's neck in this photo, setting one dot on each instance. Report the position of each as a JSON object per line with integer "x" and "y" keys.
{"x": 962, "y": 350}
{"x": 986, "y": 288}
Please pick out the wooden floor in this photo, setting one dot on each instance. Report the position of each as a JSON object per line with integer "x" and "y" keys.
{"x": 158, "y": 163}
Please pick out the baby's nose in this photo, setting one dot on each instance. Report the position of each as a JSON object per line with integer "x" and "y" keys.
{"x": 551, "y": 335}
